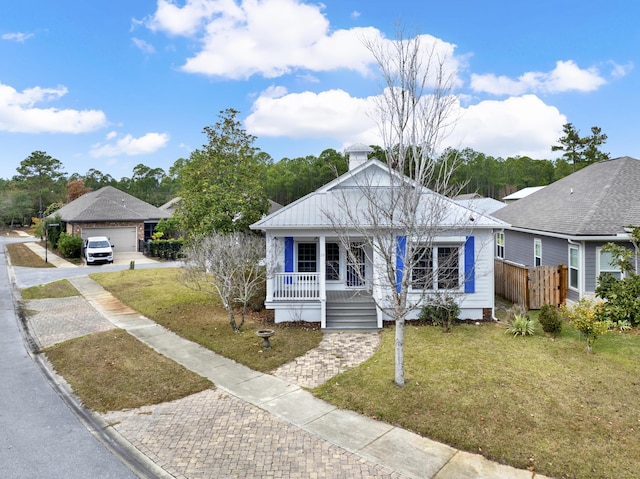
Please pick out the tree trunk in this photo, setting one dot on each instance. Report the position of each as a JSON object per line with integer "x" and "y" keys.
{"x": 399, "y": 353}
{"x": 232, "y": 320}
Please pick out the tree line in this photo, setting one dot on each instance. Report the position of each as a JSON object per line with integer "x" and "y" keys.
{"x": 41, "y": 185}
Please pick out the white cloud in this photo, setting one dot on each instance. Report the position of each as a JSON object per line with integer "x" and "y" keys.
{"x": 269, "y": 38}
{"x": 143, "y": 46}
{"x": 330, "y": 114}
{"x": 18, "y": 113}
{"x": 190, "y": 18}
{"x": 130, "y": 146}
{"x": 566, "y": 76}
{"x": 619, "y": 71}
{"x": 17, "y": 36}
{"x": 273, "y": 37}
{"x": 524, "y": 126}
{"x": 516, "y": 126}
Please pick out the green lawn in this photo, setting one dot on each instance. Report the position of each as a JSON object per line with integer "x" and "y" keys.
{"x": 533, "y": 402}
{"x": 57, "y": 289}
{"x": 161, "y": 295}
{"x": 112, "y": 370}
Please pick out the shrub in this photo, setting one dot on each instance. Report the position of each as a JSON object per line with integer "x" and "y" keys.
{"x": 521, "y": 325}
{"x": 622, "y": 298}
{"x": 441, "y": 310}
{"x": 167, "y": 227}
{"x": 70, "y": 246}
{"x": 587, "y": 317}
{"x": 550, "y": 319}
{"x": 167, "y": 249}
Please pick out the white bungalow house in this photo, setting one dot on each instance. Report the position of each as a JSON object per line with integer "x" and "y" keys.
{"x": 313, "y": 277}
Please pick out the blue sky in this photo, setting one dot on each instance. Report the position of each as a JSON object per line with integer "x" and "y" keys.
{"x": 112, "y": 84}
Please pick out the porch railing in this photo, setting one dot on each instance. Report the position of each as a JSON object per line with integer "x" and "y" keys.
{"x": 296, "y": 286}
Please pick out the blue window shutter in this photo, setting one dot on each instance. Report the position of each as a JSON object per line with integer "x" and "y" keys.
{"x": 469, "y": 265}
{"x": 401, "y": 251}
{"x": 288, "y": 255}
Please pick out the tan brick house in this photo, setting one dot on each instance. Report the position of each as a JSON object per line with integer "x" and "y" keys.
{"x": 124, "y": 219}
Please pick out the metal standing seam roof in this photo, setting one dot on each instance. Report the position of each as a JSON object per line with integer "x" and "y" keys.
{"x": 486, "y": 206}
{"x": 312, "y": 210}
{"x": 600, "y": 199}
{"x": 523, "y": 193}
{"x": 109, "y": 204}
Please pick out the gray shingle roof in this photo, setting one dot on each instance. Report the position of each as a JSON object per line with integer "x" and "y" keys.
{"x": 109, "y": 204}
{"x": 600, "y": 199}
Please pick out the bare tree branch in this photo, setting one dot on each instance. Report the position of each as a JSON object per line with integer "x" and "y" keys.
{"x": 229, "y": 266}
{"x": 391, "y": 215}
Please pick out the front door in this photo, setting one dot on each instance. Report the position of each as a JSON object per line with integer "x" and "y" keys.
{"x": 356, "y": 261}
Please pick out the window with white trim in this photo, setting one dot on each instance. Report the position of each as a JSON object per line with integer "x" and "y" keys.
{"x": 500, "y": 244}
{"x": 307, "y": 258}
{"x": 422, "y": 273}
{"x": 537, "y": 252}
{"x": 606, "y": 264}
{"x": 574, "y": 267}
{"x": 332, "y": 261}
{"x": 437, "y": 265}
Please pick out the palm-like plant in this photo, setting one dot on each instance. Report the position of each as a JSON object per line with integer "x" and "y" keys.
{"x": 521, "y": 325}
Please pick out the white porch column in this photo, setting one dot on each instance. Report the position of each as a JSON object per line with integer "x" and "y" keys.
{"x": 322, "y": 283}
{"x": 376, "y": 279}
{"x": 271, "y": 261}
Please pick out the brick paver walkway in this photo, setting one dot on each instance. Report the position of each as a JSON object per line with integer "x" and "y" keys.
{"x": 214, "y": 435}
{"x": 55, "y": 320}
{"x": 336, "y": 353}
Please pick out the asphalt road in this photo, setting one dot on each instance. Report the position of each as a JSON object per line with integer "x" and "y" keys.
{"x": 40, "y": 436}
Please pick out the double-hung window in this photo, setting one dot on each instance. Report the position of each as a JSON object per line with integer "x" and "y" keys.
{"x": 537, "y": 252}
{"x": 500, "y": 244}
{"x": 437, "y": 267}
{"x": 307, "y": 258}
{"x": 422, "y": 273}
{"x": 606, "y": 264}
{"x": 332, "y": 261}
{"x": 574, "y": 267}
{"x": 448, "y": 267}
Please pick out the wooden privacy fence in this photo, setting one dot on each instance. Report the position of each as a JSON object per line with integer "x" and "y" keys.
{"x": 531, "y": 287}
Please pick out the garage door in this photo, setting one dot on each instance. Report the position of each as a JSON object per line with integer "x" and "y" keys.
{"x": 124, "y": 239}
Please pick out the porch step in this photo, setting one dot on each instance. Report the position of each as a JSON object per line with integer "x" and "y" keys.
{"x": 353, "y": 326}
{"x": 354, "y": 313}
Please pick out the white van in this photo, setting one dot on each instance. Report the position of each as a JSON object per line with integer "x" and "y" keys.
{"x": 98, "y": 249}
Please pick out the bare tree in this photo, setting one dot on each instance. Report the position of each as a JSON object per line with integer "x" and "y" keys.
{"x": 229, "y": 266}
{"x": 396, "y": 216}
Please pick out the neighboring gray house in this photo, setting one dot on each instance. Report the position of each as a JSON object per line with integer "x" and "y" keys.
{"x": 109, "y": 212}
{"x": 570, "y": 220}
{"x": 314, "y": 278}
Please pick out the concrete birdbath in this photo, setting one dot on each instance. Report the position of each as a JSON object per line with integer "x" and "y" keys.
{"x": 265, "y": 334}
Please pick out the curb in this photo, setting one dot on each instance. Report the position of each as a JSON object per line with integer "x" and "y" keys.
{"x": 132, "y": 458}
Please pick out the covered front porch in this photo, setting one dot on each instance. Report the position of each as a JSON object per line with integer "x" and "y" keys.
{"x": 317, "y": 280}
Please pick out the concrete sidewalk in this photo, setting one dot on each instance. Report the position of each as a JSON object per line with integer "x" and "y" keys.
{"x": 399, "y": 453}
